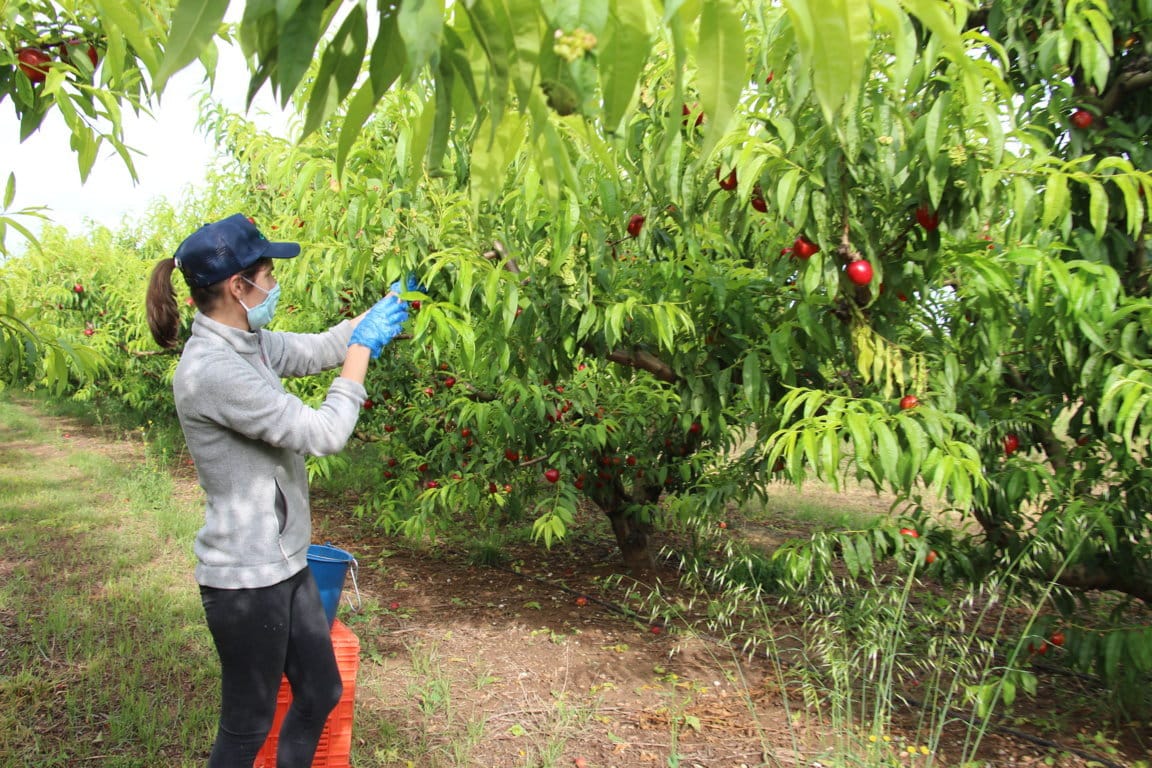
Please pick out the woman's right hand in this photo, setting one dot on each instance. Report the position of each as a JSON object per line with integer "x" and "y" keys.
{"x": 380, "y": 324}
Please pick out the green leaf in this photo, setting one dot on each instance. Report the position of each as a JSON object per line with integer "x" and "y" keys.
{"x": 438, "y": 143}
{"x": 299, "y": 34}
{"x": 421, "y": 26}
{"x": 835, "y": 39}
{"x": 491, "y": 28}
{"x": 194, "y": 24}
{"x": 864, "y": 552}
{"x": 1098, "y": 208}
{"x": 786, "y": 188}
{"x": 621, "y": 56}
{"x": 932, "y": 127}
{"x": 124, "y": 15}
{"x": 386, "y": 63}
{"x": 751, "y": 374}
{"x": 848, "y": 553}
{"x": 339, "y": 67}
{"x": 721, "y": 63}
{"x": 10, "y": 190}
{"x": 1055, "y": 198}
{"x": 887, "y": 448}
{"x": 861, "y": 436}
{"x": 359, "y": 110}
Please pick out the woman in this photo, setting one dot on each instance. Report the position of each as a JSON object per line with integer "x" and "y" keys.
{"x": 248, "y": 438}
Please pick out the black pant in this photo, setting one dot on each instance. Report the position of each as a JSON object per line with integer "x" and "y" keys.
{"x": 261, "y": 634}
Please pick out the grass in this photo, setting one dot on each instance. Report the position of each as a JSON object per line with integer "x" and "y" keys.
{"x": 104, "y": 657}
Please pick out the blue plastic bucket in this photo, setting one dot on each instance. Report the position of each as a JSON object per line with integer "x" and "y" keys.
{"x": 330, "y": 567}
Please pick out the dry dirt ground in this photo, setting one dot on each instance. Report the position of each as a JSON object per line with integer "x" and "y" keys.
{"x": 539, "y": 663}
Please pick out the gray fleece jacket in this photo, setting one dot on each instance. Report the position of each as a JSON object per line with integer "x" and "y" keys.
{"x": 249, "y": 437}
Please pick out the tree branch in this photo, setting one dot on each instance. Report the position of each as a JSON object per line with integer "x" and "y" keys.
{"x": 1133, "y": 578}
{"x": 644, "y": 361}
{"x": 1133, "y": 78}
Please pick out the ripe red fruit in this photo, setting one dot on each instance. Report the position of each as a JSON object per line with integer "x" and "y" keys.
{"x": 33, "y": 63}
{"x": 581, "y": 601}
{"x": 930, "y": 557}
{"x": 394, "y": 606}
{"x": 729, "y": 182}
{"x": 927, "y": 218}
{"x": 908, "y": 401}
{"x": 694, "y": 428}
{"x": 552, "y": 475}
{"x": 1057, "y": 638}
{"x": 450, "y": 381}
{"x": 465, "y": 432}
{"x": 757, "y": 200}
{"x": 910, "y": 532}
{"x": 422, "y": 468}
{"x": 723, "y": 525}
{"x": 89, "y": 331}
{"x": 431, "y": 484}
{"x": 78, "y": 288}
{"x": 71, "y": 48}
{"x": 655, "y": 630}
{"x": 416, "y": 305}
{"x": 635, "y": 224}
{"x": 859, "y": 272}
{"x": 687, "y": 111}
{"x": 389, "y": 428}
{"x": 368, "y": 404}
{"x": 429, "y": 391}
{"x": 630, "y": 461}
{"x": 511, "y": 455}
{"x": 1082, "y": 119}
{"x": 804, "y": 248}
{"x": 1011, "y": 444}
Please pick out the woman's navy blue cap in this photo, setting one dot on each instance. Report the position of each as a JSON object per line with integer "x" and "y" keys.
{"x": 222, "y": 249}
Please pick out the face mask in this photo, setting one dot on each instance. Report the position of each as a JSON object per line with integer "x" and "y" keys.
{"x": 261, "y": 314}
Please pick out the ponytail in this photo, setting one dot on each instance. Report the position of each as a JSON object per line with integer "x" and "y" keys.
{"x": 163, "y": 312}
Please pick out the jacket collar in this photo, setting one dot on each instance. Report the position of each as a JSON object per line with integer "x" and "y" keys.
{"x": 244, "y": 342}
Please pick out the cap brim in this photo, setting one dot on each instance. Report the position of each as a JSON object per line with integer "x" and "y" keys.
{"x": 282, "y": 250}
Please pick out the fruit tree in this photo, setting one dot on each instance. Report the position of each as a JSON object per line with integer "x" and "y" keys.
{"x": 672, "y": 251}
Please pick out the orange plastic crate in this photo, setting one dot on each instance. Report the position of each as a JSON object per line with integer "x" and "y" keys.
{"x": 335, "y": 747}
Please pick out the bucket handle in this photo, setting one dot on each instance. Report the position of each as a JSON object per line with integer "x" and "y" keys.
{"x": 355, "y": 566}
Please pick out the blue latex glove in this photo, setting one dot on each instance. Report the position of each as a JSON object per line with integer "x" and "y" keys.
{"x": 380, "y": 324}
{"x": 408, "y": 286}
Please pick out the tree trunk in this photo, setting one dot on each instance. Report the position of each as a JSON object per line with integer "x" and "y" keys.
{"x": 631, "y": 532}
{"x": 1133, "y": 577}
{"x": 632, "y": 538}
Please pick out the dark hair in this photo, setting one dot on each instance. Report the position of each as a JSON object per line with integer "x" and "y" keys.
{"x": 160, "y": 302}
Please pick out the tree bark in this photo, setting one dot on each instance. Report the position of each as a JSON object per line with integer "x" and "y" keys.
{"x": 1129, "y": 578}
{"x": 632, "y": 538}
{"x": 632, "y": 533}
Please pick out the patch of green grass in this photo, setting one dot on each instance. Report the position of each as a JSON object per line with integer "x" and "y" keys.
{"x": 104, "y": 655}
{"x": 819, "y": 512}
